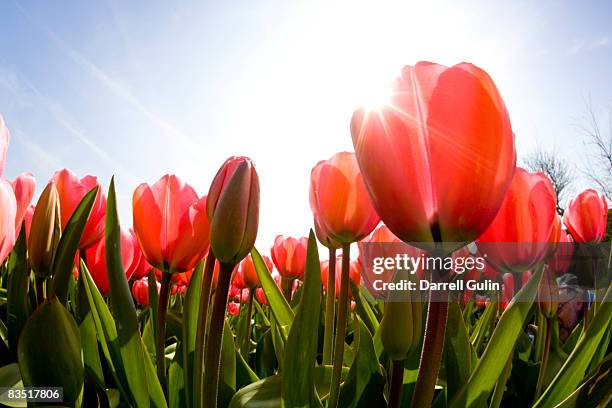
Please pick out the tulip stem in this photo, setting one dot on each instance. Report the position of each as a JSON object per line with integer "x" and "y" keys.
{"x": 246, "y": 339}
{"x": 433, "y": 343}
{"x": 334, "y": 390}
{"x": 40, "y": 295}
{"x": 330, "y": 303}
{"x": 287, "y": 285}
{"x": 397, "y": 383}
{"x": 160, "y": 338}
{"x": 546, "y": 331}
{"x": 215, "y": 335}
{"x": 207, "y": 277}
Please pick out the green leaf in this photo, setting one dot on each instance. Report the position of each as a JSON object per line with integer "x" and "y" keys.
{"x": 363, "y": 309}
{"x": 190, "y": 325}
{"x": 244, "y": 374}
{"x": 364, "y": 384}
{"x": 46, "y": 362}
{"x": 301, "y": 350}
{"x": 501, "y": 344}
{"x": 459, "y": 356}
{"x": 280, "y": 308}
{"x": 144, "y": 387}
{"x": 10, "y": 376}
{"x": 63, "y": 262}
{"x": 482, "y": 326}
{"x": 17, "y": 304}
{"x": 176, "y": 380}
{"x": 267, "y": 392}
{"x": 573, "y": 371}
{"x": 227, "y": 374}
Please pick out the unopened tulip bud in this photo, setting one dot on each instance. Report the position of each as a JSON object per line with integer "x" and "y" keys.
{"x": 401, "y": 328}
{"x": 45, "y": 231}
{"x": 233, "y": 209}
{"x": 548, "y": 294}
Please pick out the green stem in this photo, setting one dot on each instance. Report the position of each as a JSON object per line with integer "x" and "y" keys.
{"x": 334, "y": 390}
{"x": 287, "y": 285}
{"x": 215, "y": 335}
{"x": 397, "y": 383}
{"x": 545, "y": 354}
{"x": 246, "y": 339}
{"x": 160, "y": 338}
{"x": 330, "y": 303}
{"x": 40, "y": 288}
{"x": 433, "y": 343}
{"x": 207, "y": 277}
{"x": 500, "y": 386}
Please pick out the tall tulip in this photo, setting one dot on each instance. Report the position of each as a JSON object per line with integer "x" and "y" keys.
{"x": 71, "y": 191}
{"x": 23, "y": 187}
{"x": 172, "y": 228}
{"x": 518, "y": 238}
{"x": 586, "y": 216}
{"x": 95, "y": 258}
{"x": 8, "y": 210}
{"x": 45, "y": 231}
{"x": 437, "y": 160}
{"x": 233, "y": 209}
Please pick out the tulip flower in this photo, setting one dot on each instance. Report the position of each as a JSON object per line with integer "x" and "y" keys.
{"x": 140, "y": 265}
{"x": 8, "y": 210}
{"x": 140, "y": 291}
{"x": 248, "y": 273}
{"x": 172, "y": 228}
{"x": 27, "y": 220}
{"x": 586, "y": 216}
{"x": 439, "y": 157}
{"x": 561, "y": 260}
{"x": 71, "y": 191}
{"x": 261, "y": 296}
{"x": 4, "y": 142}
{"x": 171, "y": 224}
{"x": 45, "y": 231}
{"x": 518, "y": 246}
{"x": 548, "y": 294}
{"x": 437, "y": 160}
{"x": 23, "y": 187}
{"x": 354, "y": 274}
{"x": 339, "y": 200}
{"x": 289, "y": 256}
{"x": 233, "y": 209}
{"x": 95, "y": 259}
{"x": 233, "y": 309}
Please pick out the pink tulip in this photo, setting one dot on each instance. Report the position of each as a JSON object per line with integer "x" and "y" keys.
{"x": 289, "y": 256}
{"x": 95, "y": 258}
{"x": 8, "y": 210}
{"x": 23, "y": 187}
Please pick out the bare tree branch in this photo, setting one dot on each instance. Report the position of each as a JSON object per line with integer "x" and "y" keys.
{"x": 558, "y": 170}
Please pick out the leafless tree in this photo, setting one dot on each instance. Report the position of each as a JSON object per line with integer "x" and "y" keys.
{"x": 598, "y": 139}
{"x": 559, "y": 171}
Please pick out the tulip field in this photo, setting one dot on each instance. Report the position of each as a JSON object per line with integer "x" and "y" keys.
{"x": 178, "y": 307}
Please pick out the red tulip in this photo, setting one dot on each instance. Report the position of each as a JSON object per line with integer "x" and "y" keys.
{"x": 518, "y": 238}
{"x": 95, "y": 258}
{"x": 171, "y": 224}
{"x": 586, "y": 216}
{"x": 4, "y": 142}
{"x": 142, "y": 267}
{"x": 233, "y": 309}
{"x": 507, "y": 289}
{"x": 71, "y": 191}
{"x": 560, "y": 262}
{"x": 289, "y": 256}
{"x": 354, "y": 274}
{"x": 249, "y": 274}
{"x": 261, "y": 296}
{"x": 23, "y": 187}
{"x": 8, "y": 209}
{"x": 140, "y": 291}
{"x": 233, "y": 209}
{"x": 339, "y": 200}
{"x": 438, "y": 158}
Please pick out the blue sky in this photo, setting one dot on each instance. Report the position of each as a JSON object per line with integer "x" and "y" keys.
{"x": 142, "y": 88}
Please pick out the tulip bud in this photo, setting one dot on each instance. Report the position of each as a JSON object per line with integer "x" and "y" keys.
{"x": 548, "y": 294}
{"x": 45, "y": 231}
{"x": 233, "y": 208}
{"x": 507, "y": 289}
{"x": 401, "y": 328}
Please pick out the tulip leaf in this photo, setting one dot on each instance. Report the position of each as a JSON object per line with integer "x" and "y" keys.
{"x": 176, "y": 380}
{"x": 10, "y": 376}
{"x": 244, "y": 374}
{"x": 459, "y": 356}
{"x": 482, "y": 326}
{"x": 280, "y": 308}
{"x": 363, "y": 309}
{"x": 89, "y": 342}
{"x": 63, "y": 262}
{"x": 364, "y": 383}
{"x": 574, "y": 369}
{"x": 298, "y": 388}
{"x": 499, "y": 349}
{"x": 46, "y": 362}
{"x": 227, "y": 374}
{"x": 190, "y": 324}
{"x": 17, "y": 304}
{"x": 144, "y": 388}
{"x": 267, "y": 392}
